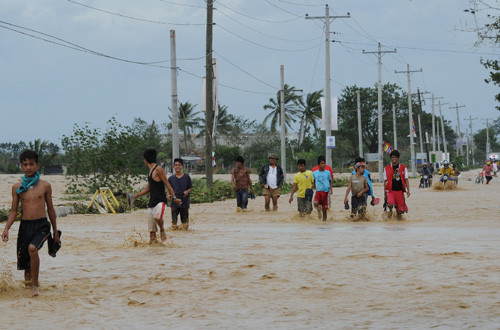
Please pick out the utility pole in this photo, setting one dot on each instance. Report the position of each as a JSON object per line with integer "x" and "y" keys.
{"x": 438, "y": 138}
{"x": 174, "y": 109}
{"x": 434, "y": 98}
{"x": 420, "y": 126}
{"x": 471, "y": 140}
{"x": 360, "y": 137}
{"x": 209, "y": 115}
{"x": 328, "y": 97}
{"x": 410, "y": 117}
{"x": 282, "y": 109}
{"x": 445, "y": 148}
{"x": 456, "y": 107}
{"x": 394, "y": 126}
{"x": 379, "y": 52}
{"x": 487, "y": 138}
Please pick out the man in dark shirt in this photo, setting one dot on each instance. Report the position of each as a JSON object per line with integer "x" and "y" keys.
{"x": 182, "y": 185}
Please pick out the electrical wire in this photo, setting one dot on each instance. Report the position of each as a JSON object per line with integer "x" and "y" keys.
{"x": 254, "y": 18}
{"x": 301, "y": 4}
{"x": 71, "y": 45}
{"x": 130, "y": 17}
{"x": 283, "y": 10}
{"x": 181, "y": 4}
{"x": 263, "y": 46}
{"x": 265, "y": 34}
{"x": 246, "y": 72}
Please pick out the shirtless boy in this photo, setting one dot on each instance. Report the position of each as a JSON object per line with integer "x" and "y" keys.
{"x": 157, "y": 181}
{"x": 34, "y": 194}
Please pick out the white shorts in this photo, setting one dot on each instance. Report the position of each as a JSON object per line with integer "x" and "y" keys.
{"x": 152, "y": 225}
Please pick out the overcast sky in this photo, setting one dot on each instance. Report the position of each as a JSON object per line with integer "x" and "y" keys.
{"x": 46, "y": 88}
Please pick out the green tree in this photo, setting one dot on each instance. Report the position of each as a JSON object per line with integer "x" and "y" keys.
{"x": 310, "y": 113}
{"x": 292, "y": 104}
{"x": 189, "y": 121}
{"x": 48, "y": 152}
{"x": 480, "y": 143}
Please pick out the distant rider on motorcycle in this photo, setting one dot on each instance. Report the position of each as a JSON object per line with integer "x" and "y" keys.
{"x": 446, "y": 170}
{"x": 425, "y": 171}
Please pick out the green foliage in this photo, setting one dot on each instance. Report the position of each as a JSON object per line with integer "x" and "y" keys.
{"x": 292, "y": 104}
{"x": 226, "y": 156}
{"x": 113, "y": 158}
{"x": 4, "y": 214}
{"x": 340, "y": 182}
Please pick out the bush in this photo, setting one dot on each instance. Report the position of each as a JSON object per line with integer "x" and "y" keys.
{"x": 4, "y": 214}
{"x": 340, "y": 182}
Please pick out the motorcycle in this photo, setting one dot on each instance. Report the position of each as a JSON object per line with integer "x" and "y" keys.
{"x": 424, "y": 181}
{"x": 445, "y": 178}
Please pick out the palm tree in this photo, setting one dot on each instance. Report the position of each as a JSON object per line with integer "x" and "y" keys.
{"x": 188, "y": 121}
{"x": 291, "y": 109}
{"x": 311, "y": 113}
{"x": 47, "y": 151}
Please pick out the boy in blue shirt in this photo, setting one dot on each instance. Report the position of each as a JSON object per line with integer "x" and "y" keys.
{"x": 182, "y": 185}
{"x": 323, "y": 185}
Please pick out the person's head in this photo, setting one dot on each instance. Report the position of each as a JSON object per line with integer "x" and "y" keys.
{"x": 321, "y": 162}
{"x": 394, "y": 157}
{"x": 446, "y": 164}
{"x": 301, "y": 165}
{"x": 424, "y": 165}
{"x": 488, "y": 163}
{"x": 150, "y": 156}
{"x": 239, "y": 162}
{"x": 178, "y": 164}
{"x": 273, "y": 159}
{"x": 29, "y": 162}
{"x": 359, "y": 159}
{"x": 360, "y": 167}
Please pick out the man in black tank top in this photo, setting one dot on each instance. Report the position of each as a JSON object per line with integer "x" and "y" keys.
{"x": 157, "y": 181}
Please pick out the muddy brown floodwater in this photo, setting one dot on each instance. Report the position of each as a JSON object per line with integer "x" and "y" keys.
{"x": 437, "y": 268}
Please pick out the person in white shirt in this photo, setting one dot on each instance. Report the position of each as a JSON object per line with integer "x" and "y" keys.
{"x": 271, "y": 179}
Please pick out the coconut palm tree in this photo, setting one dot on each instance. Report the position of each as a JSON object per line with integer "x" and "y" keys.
{"x": 188, "y": 121}
{"x": 292, "y": 103}
{"x": 311, "y": 113}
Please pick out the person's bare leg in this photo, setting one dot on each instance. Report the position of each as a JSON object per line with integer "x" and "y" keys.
{"x": 152, "y": 237}
{"x": 318, "y": 208}
{"x": 163, "y": 235}
{"x": 267, "y": 202}
{"x": 27, "y": 277}
{"x": 275, "y": 203}
{"x": 34, "y": 268}
{"x": 324, "y": 215}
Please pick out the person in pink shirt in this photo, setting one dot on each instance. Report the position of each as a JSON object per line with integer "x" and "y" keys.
{"x": 487, "y": 169}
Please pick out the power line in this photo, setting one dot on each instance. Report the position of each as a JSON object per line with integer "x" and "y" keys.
{"x": 283, "y": 10}
{"x": 263, "y": 46}
{"x": 265, "y": 34}
{"x": 301, "y": 4}
{"x": 254, "y": 18}
{"x": 246, "y": 72}
{"x": 182, "y": 4}
{"x": 130, "y": 17}
{"x": 71, "y": 45}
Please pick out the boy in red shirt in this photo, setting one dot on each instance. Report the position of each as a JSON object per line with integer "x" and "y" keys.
{"x": 396, "y": 184}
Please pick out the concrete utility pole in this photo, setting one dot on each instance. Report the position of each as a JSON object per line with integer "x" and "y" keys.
{"x": 467, "y": 144}
{"x": 209, "y": 115}
{"x": 420, "y": 126}
{"x": 471, "y": 140}
{"x": 438, "y": 138}
{"x": 487, "y": 138}
{"x": 434, "y": 124}
{"x": 456, "y": 107}
{"x": 360, "y": 137}
{"x": 174, "y": 109}
{"x": 445, "y": 148}
{"x": 379, "y": 52}
{"x": 282, "y": 109}
{"x": 410, "y": 117}
{"x": 328, "y": 97}
{"x": 394, "y": 126}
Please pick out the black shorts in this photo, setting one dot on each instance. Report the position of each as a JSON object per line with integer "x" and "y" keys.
{"x": 183, "y": 211}
{"x": 358, "y": 204}
{"x": 33, "y": 232}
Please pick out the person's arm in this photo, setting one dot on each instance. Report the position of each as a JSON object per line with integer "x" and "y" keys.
{"x": 52, "y": 212}
{"x": 362, "y": 192}
{"x": 163, "y": 177}
{"x": 142, "y": 192}
{"x": 294, "y": 189}
{"x": 249, "y": 181}
{"x": 189, "y": 187}
{"x": 12, "y": 214}
{"x": 348, "y": 190}
{"x": 233, "y": 180}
